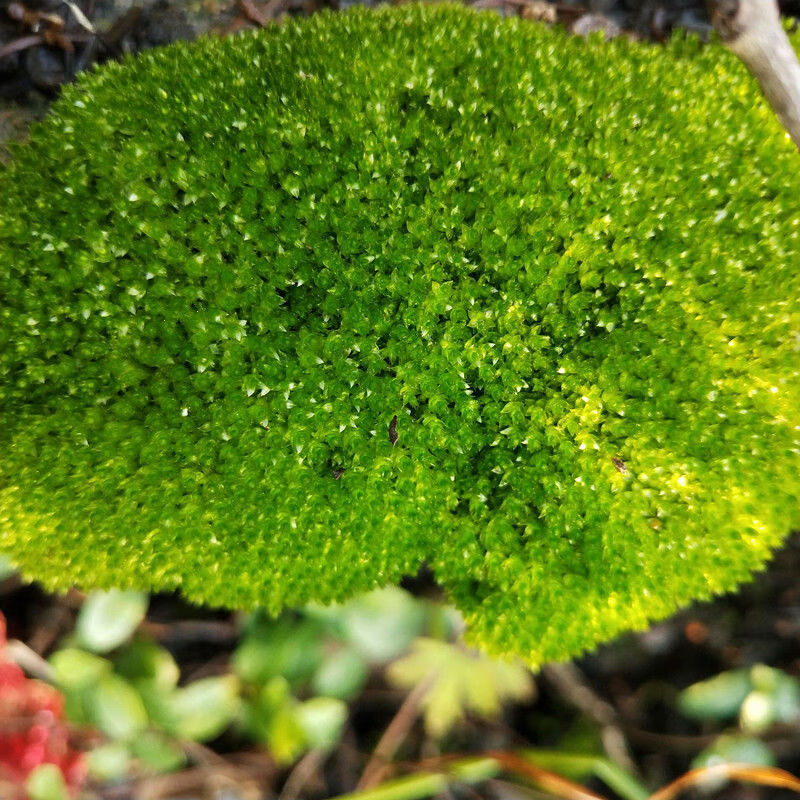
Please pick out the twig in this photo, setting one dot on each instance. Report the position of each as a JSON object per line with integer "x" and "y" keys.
{"x": 183, "y": 631}
{"x": 23, "y": 43}
{"x": 574, "y": 687}
{"x": 302, "y": 772}
{"x": 218, "y": 665}
{"x": 29, "y": 660}
{"x": 669, "y": 742}
{"x": 394, "y": 735}
{"x": 51, "y": 624}
{"x": 752, "y": 29}
{"x": 259, "y": 16}
{"x": 202, "y": 755}
{"x": 19, "y": 12}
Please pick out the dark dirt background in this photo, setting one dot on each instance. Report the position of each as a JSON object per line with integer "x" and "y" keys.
{"x": 628, "y": 687}
{"x": 44, "y": 43}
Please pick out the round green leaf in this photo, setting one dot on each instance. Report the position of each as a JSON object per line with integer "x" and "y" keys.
{"x": 204, "y": 709}
{"x": 77, "y": 669}
{"x": 143, "y": 661}
{"x": 382, "y": 624}
{"x": 288, "y": 648}
{"x": 46, "y": 782}
{"x": 718, "y": 698}
{"x": 107, "y": 619}
{"x": 157, "y": 753}
{"x": 117, "y": 709}
{"x": 109, "y": 762}
{"x": 757, "y": 712}
{"x": 322, "y": 719}
{"x": 782, "y": 689}
{"x": 735, "y": 750}
{"x": 341, "y": 674}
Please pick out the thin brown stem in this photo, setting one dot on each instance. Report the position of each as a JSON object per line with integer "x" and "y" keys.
{"x": 394, "y": 735}
{"x": 746, "y": 773}
{"x": 575, "y": 689}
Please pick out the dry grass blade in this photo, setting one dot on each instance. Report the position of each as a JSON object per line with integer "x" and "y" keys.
{"x": 549, "y": 781}
{"x": 394, "y": 735}
{"x": 746, "y": 773}
{"x": 82, "y": 19}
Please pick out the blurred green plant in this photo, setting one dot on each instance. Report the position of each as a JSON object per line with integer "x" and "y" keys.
{"x": 458, "y": 682}
{"x": 6, "y": 567}
{"x": 47, "y": 782}
{"x": 556, "y": 768}
{"x": 754, "y": 699}
{"x": 107, "y": 619}
{"x": 288, "y": 687}
{"x": 324, "y": 652}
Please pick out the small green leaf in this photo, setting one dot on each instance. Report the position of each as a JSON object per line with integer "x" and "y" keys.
{"x": 108, "y": 619}
{"x": 782, "y": 689}
{"x": 109, "y": 762}
{"x": 143, "y": 661}
{"x": 735, "y": 750}
{"x": 288, "y": 648}
{"x": 286, "y": 737}
{"x": 204, "y": 709}
{"x": 775, "y": 698}
{"x": 757, "y": 713}
{"x": 157, "y": 703}
{"x": 382, "y": 624}
{"x": 718, "y": 698}
{"x": 322, "y": 720}
{"x": 77, "y": 669}
{"x": 117, "y": 709}
{"x": 460, "y": 681}
{"x": 341, "y": 675}
{"x": 76, "y": 708}
{"x": 157, "y": 753}
{"x": 46, "y": 782}
{"x": 272, "y": 718}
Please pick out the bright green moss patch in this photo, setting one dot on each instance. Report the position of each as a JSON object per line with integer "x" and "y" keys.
{"x": 569, "y": 269}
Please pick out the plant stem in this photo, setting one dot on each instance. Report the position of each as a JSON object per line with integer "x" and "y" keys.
{"x": 426, "y": 784}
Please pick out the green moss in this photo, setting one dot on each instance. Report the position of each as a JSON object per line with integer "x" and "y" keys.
{"x": 569, "y": 269}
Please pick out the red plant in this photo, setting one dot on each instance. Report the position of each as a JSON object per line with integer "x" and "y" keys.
{"x": 32, "y": 728}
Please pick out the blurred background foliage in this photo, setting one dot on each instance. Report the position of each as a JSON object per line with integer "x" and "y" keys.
{"x": 162, "y": 699}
